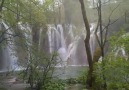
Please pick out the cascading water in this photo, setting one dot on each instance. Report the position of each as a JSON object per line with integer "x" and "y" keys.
{"x": 8, "y": 55}
{"x": 56, "y": 38}
{"x": 70, "y": 47}
{"x": 57, "y": 41}
{"x": 93, "y": 3}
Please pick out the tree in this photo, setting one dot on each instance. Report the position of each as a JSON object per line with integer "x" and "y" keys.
{"x": 116, "y": 63}
{"x": 1, "y": 5}
{"x": 40, "y": 68}
{"x": 87, "y": 45}
{"x": 101, "y": 38}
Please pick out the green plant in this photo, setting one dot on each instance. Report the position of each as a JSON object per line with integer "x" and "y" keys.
{"x": 40, "y": 69}
{"x": 116, "y": 65}
{"x": 54, "y": 85}
{"x": 71, "y": 81}
{"x": 83, "y": 77}
{"x": 116, "y": 74}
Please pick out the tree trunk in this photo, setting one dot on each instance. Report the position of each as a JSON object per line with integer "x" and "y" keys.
{"x": 101, "y": 41}
{"x": 87, "y": 45}
{"x": 1, "y": 5}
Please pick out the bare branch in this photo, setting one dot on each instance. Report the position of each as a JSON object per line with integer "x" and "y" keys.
{"x": 109, "y": 23}
{"x": 96, "y": 30}
{"x": 113, "y": 10}
{"x": 99, "y": 24}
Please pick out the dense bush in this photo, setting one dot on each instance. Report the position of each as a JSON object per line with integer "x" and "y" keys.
{"x": 114, "y": 69}
{"x": 54, "y": 85}
{"x": 83, "y": 77}
{"x": 116, "y": 72}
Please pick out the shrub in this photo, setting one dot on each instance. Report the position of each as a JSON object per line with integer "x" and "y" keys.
{"x": 114, "y": 69}
{"x": 83, "y": 77}
{"x": 40, "y": 68}
{"x": 54, "y": 85}
{"x": 116, "y": 73}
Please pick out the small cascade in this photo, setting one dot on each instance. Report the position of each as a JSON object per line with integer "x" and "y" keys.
{"x": 8, "y": 55}
{"x": 121, "y": 51}
{"x": 92, "y": 38}
{"x": 57, "y": 41}
{"x": 93, "y": 3}
{"x": 56, "y": 38}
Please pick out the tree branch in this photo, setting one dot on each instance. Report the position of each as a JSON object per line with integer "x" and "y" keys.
{"x": 1, "y": 5}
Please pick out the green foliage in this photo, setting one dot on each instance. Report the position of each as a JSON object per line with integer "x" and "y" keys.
{"x": 115, "y": 39}
{"x": 71, "y": 81}
{"x": 40, "y": 68}
{"x": 26, "y": 11}
{"x": 54, "y": 85}
{"x": 83, "y": 77}
{"x": 116, "y": 73}
{"x": 115, "y": 68}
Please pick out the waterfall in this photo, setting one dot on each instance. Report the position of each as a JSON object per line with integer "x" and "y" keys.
{"x": 70, "y": 47}
{"x": 93, "y": 3}
{"x": 8, "y": 54}
{"x": 57, "y": 41}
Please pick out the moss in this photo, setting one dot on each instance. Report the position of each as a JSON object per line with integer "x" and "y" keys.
{"x": 97, "y": 54}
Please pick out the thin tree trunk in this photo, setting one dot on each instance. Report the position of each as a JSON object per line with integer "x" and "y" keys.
{"x": 101, "y": 41}
{"x": 1, "y": 5}
{"x": 87, "y": 45}
{"x": 101, "y": 29}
